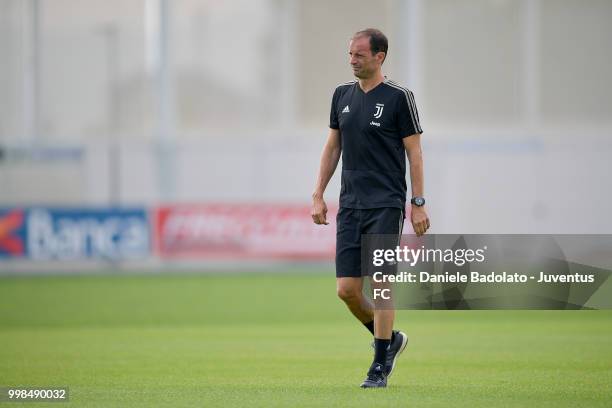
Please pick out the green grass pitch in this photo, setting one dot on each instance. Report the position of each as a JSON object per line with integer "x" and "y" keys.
{"x": 283, "y": 340}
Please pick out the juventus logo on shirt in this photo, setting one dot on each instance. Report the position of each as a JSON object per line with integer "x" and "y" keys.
{"x": 379, "y": 110}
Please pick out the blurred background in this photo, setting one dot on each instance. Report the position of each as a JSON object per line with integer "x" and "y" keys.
{"x": 184, "y": 136}
{"x": 190, "y": 131}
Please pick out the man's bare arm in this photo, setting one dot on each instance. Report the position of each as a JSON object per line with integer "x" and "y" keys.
{"x": 329, "y": 161}
{"x": 412, "y": 144}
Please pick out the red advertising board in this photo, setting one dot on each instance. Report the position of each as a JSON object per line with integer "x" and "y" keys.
{"x": 242, "y": 231}
{"x": 12, "y": 235}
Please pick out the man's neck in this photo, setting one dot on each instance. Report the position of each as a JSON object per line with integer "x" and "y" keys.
{"x": 367, "y": 84}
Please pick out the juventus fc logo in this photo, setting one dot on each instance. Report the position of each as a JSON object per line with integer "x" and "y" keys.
{"x": 379, "y": 110}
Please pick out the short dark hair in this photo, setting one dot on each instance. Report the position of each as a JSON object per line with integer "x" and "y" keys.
{"x": 378, "y": 41}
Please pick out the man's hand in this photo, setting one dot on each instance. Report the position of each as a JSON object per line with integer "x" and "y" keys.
{"x": 319, "y": 211}
{"x": 420, "y": 221}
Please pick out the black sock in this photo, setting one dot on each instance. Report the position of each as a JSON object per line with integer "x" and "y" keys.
{"x": 370, "y": 326}
{"x": 380, "y": 350}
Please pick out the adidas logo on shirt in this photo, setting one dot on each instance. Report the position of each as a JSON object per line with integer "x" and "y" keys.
{"x": 346, "y": 109}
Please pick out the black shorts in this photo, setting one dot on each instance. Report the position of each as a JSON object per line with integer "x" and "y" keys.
{"x": 350, "y": 224}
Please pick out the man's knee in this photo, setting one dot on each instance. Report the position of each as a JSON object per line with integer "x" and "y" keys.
{"x": 348, "y": 293}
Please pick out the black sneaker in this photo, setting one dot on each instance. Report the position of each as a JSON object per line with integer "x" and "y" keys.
{"x": 400, "y": 340}
{"x": 376, "y": 377}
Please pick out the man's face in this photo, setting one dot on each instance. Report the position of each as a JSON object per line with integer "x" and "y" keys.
{"x": 362, "y": 61}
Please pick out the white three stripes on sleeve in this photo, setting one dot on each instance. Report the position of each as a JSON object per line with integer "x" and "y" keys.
{"x": 411, "y": 104}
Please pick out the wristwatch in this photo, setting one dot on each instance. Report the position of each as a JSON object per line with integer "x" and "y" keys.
{"x": 418, "y": 201}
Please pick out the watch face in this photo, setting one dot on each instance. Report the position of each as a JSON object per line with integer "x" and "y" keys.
{"x": 419, "y": 201}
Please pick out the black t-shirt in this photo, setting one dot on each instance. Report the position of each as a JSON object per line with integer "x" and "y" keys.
{"x": 372, "y": 126}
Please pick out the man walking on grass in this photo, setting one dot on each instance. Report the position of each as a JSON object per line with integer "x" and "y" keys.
{"x": 373, "y": 121}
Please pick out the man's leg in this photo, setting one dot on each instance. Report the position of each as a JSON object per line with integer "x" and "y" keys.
{"x": 383, "y": 329}
{"x": 349, "y": 281}
{"x": 384, "y": 314}
{"x": 350, "y": 290}
{"x": 383, "y": 323}
{"x": 387, "y": 343}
